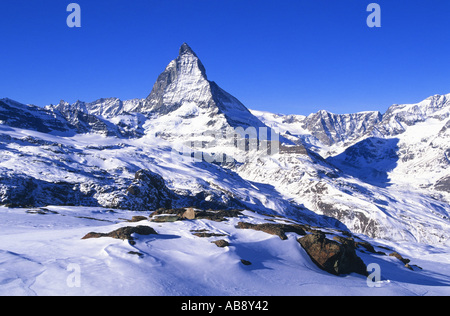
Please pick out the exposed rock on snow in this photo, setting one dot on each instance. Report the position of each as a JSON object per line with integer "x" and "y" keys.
{"x": 162, "y": 214}
{"x": 279, "y": 230}
{"x": 124, "y": 233}
{"x": 332, "y": 256}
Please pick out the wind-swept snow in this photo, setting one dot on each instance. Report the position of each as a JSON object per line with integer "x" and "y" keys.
{"x": 43, "y": 254}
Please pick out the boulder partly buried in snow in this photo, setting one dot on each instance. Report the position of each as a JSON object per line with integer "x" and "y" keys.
{"x": 124, "y": 233}
{"x": 332, "y": 256}
{"x": 279, "y": 230}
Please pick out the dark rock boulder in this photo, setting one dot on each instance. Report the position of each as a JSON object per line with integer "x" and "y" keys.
{"x": 245, "y": 262}
{"x": 167, "y": 214}
{"x": 124, "y": 233}
{"x": 405, "y": 261}
{"x": 221, "y": 243}
{"x": 332, "y": 256}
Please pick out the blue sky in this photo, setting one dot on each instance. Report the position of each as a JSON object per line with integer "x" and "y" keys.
{"x": 284, "y": 56}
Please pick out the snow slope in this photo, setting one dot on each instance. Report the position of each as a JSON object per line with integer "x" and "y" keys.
{"x": 43, "y": 254}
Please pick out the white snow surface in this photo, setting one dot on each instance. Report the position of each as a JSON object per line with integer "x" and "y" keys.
{"x": 46, "y": 255}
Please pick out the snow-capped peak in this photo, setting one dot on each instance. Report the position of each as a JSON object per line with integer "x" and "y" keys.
{"x": 186, "y": 49}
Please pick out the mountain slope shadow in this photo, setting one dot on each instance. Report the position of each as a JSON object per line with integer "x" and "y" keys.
{"x": 369, "y": 160}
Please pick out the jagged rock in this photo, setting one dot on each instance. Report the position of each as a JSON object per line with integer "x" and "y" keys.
{"x": 19, "y": 115}
{"x": 19, "y": 190}
{"x": 147, "y": 192}
{"x": 136, "y": 253}
{"x": 217, "y": 215}
{"x": 184, "y": 82}
{"x": 332, "y": 256}
{"x": 165, "y": 218}
{"x": 444, "y": 183}
{"x": 330, "y": 128}
{"x": 367, "y": 246}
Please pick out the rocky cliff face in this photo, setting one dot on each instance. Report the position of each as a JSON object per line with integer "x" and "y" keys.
{"x": 148, "y": 191}
{"x": 31, "y": 117}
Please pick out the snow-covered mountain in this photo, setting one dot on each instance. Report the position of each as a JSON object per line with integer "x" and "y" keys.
{"x": 408, "y": 145}
{"x": 391, "y": 166}
{"x": 323, "y": 132}
{"x": 382, "y": 176}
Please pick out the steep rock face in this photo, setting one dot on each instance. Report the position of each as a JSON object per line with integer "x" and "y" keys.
{"x": 87, "y": 117}
{"x": 183, "y": 80}
{"x": 323, "y": 132}
{"x": 147, "y": 192}
{"x": 31, "y": 117}
{"x": 23, "y": 191}
{"x": 331, "y": 128}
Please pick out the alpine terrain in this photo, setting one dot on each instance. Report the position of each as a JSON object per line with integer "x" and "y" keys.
{"x": 188, "y": 192}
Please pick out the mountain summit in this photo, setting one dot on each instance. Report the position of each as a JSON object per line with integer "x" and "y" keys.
{"x": 186, "y": 49}
{"x": 183, "y": 80}
{"x": 183, "y": 87}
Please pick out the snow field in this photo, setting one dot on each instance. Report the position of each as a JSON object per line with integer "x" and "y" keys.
{"x": 42, "y": 254}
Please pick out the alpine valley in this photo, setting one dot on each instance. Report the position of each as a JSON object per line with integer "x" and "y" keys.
{"x": 100, "y": 198}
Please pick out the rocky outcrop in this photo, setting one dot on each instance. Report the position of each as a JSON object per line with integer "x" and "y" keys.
{"x": 279, "y": 230}
{"x": 171, "y": 215}
{"x": 330, "y": 128}
{"x": 332, "y": 256}
{"x": 24, "y": 191}
{"x": 124, "y": 233}
{"x": 31, "y": 117}
{"x": 221, "y": 243}
{"x": 147, "y": 192}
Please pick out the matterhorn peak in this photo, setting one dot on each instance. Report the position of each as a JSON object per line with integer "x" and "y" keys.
{"x": 186, "y": 49}
{"x": 184, "y": 87}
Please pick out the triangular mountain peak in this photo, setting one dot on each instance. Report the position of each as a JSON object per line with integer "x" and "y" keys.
{"x": 184, "y": 79}
{"x": 183, "y": 94}
{"x": 186, "y": 49}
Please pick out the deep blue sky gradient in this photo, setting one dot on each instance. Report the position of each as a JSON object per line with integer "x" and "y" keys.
{"x": 283, "y": 56}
